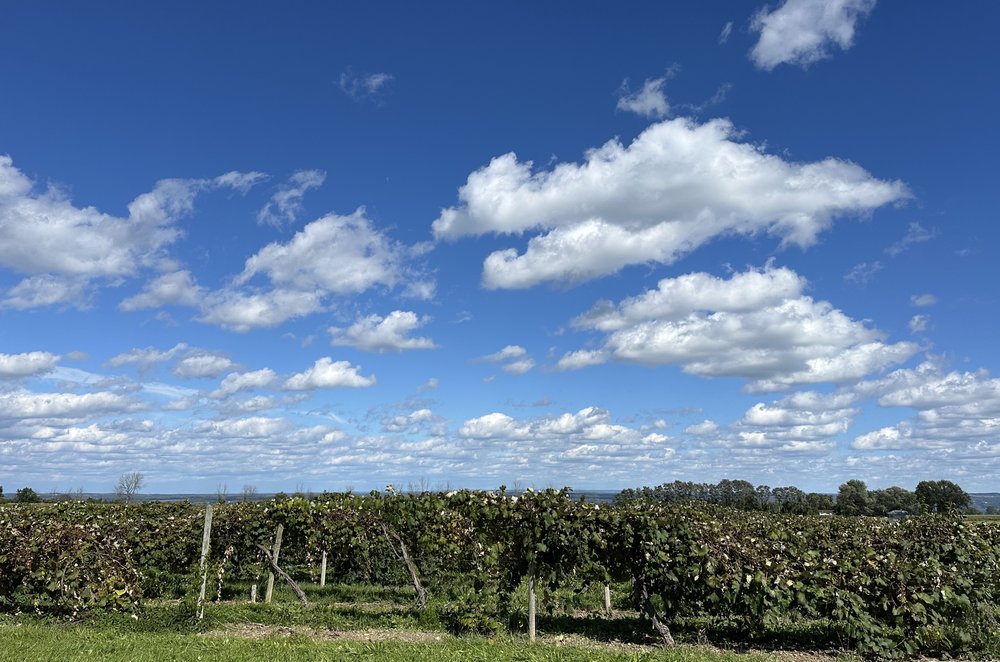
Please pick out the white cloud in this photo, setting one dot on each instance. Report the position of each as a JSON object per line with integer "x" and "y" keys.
{"x": 923, "y": 300}
{"x": 364, "y": 86}
{"x": 245, "y": 381}
{"x": 375, "y": 333}
{"x": 802, "y": 32}
{"x": 587, "y": 439}
{"x": 678, "y": 185}
{"x": 918, "y": 323}
{"x": 703, "y": 429}
{"x": 203, "y": 364}
{"x": 241, "y": 311}
{"x": 649, "y": 101}
{"x": 146, "y": 358}
{"x": 519, "y": 367}
{"x": 492, "y": 426}
{"x": 582, "y": 358}
{"x": 47, "y": 290}
{"x": 802, "y": 421}
{"x": 241, "y": 181}
{"x": 301, "y": 274}
{"x": 28, "y": 364}
{"x": 958, "y": 411}
{"x": 255, "y": 427}
{"x": 175, "y": 288}
{"x": 409, "y": 422}
{"x": 285, "y": 205}
{"x": 863, "y": 273}
{"x": 727, "y": 30}
{"x": 757, "y": 325}
{"x": 327, "y": 373}
{"x": 915, "y": 234}
{"x": 27, "y": 405}
{"x": 334, "y": 255}
{"x": 364, "y": 257}
{"x": 73, "y": 247}
{"x": 515, "y": 358}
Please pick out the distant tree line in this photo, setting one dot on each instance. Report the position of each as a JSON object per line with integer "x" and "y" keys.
{"x": 853, "y": 498}
{"x": 931, "y": 496}
{"x": 738, "y": 494}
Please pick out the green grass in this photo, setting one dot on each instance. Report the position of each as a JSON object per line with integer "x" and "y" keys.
{"x": 40, "y": 642}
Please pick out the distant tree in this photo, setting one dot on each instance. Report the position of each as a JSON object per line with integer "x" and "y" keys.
{"x": 894, "y": 498}
{"x": 221, "y": 491}
{"x": 791, "y": 500}
{"x": 128, "y": 486}
{"x": 990, "y": 510}
{"x": 818, "y": 502}
{"x": 941, "y": 496}
{"x": 27, "y": 495}
{"x": 1, "y": 494}
{"x": 853, "y": 499}
{"x": 249, "y": 493}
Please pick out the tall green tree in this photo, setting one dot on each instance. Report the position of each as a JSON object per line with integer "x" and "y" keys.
{"x": 941, "y": 496}
{"x": 853, "y": 499}
{"x": 27, "y": 495}
{"x": 894, "y": 498}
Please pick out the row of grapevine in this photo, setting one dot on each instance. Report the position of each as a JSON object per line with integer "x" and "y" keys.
{"x": 925, "y": 584}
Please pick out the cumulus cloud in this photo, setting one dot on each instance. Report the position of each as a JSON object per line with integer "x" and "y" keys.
{"x": 410, "y": 421}
{"x": 235, "y": 382}
{"x": 648, "y": 101}
{"x": 923, "y": 300}
{"x": 375, "y": 333}
{"x": 74, "y": 247}
{"x": 959, "y": 411}
{"x": 202, "y": 364}
{"x": 514, "y": 358}
{"x": 802, "y": 32}
{"x": 285, "y": 205}
{"x": 588, "y": 437}
{"x": 704, "y": 429}
{"x": 678, "y": 185}
{"x": 302, "y": 273}
{"x": 757, "y": 325}
{"x": 28, "y": 364}
{"x": 242, "y": 311}
{"x": 364, "y": 257}
{"x": 176, "y": 288}
{"x": 327, "y": 373}
{"x": 22, "y": 405}
{"x": 804, "y": 421}
{"x": 147, "y": 357}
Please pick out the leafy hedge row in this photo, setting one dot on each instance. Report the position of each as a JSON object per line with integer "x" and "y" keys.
{"x": 923, "y": 585}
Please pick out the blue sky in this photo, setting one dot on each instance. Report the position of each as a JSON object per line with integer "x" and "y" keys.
{"x": 323, "y": 246}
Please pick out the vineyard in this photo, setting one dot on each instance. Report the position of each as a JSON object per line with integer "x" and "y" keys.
{"x": 920, "y": 586}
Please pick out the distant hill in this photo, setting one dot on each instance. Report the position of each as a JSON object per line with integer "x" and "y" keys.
{"x": 985, "y": 499}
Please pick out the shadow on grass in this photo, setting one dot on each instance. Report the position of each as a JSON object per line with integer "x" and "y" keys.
{"x": 805, "y": 635}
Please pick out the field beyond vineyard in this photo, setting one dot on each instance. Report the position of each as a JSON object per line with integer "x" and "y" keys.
{"x": 447, "y": 576}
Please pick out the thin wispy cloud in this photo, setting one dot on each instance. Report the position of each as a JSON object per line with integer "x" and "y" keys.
{"x": 915, "y": 234}
{"x": 286, "y": 204}
{"x": 365, "y": 86}
{"x": 727, "y": 30}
